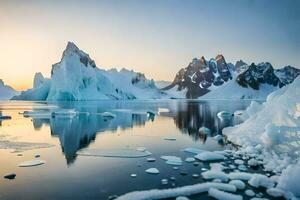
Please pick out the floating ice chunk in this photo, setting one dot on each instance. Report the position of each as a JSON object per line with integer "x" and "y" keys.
{"x": 258, "y": 198}
{"x": 38, "y": 114}
{"x": 209, "y": 156}
{"x": 64, "y": 113}
{"x": 259, "y": 180}
{"x": 240, "y": 176}
{"x": 118, "y": 153}
{"x": 204, "y": 130}
{"x": 240, "y": 185}
{"x": 275, "y": 192}
{"x": 194, "y": 150}
{"x": 152, "y": 171}
{"x": 170, "y": 138}
{"x": 239, "y": 162}
{"x": 249, "y": 193}
{"x": 32, "y": 163}
{"x": 216, "y": 166}
{"x": 253, "y": 162}
{"x": 218, "y": 194}
{"x": 189, "y": 159}
{"x": 151, "y": 159}
{"x": 133, "y": 175}
{"x": 182, "y": 198}
{"x": 242, "y": 167}
{"x": 175, "y": 192}
{"x": 215, "y": 174}
{"x": 195, "y": 175}
{"x": 172, "y": 160}
{"x": 141, "y": 149}
{"x": 164, "y": 181}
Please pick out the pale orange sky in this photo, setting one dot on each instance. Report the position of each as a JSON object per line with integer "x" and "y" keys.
{"x": 154, "y": 37}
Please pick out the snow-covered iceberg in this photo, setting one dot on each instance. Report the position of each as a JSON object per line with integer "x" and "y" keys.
{"x": 6, "y": 92}
{"x": 76, "y": 77}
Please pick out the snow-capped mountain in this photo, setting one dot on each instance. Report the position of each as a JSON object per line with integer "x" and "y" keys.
{"x": 200, "y": 75}
{"x": 76, "y": 77}
{"x": 6, "y": 92}
{"x": 217, "y": 79}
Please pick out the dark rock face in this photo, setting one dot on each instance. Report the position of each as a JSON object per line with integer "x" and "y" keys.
{"x": 200, "y": 74}
{"x": 263, "y": 73}
{"x": 240, "y": 66}
{"x": 287, "y": 74}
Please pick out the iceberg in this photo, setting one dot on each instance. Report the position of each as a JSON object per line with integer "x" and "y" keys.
{"x": 117, "y": 153}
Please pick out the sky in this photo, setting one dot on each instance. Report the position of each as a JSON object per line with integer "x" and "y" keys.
{"x": 156, "y": 37}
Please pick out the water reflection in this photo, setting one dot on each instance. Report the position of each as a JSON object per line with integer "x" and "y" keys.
{"x": 78, "y": 132}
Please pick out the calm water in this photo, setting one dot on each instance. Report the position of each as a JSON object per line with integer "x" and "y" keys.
{"x": 67, "y": 175}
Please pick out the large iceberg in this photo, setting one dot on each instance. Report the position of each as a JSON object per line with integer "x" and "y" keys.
{"x": 76, "y": 77}
{"x": 6, "y": 92}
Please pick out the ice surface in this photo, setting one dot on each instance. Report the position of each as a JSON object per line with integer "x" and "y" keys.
{"x": 190, "y": 159}
{"x": 240, "y": 176}
{"x": 275, "y": 192}
{"x": 32, "y": 163}
{"x": 175, "y": 192}
{"x": 250, "y": 193}
{"x": 209, "y": 156}
{"x": 218, "y": 194}
{"x": 118, "y": 153}
{"x": 260, "y": 180}
{"x": 194, "y": 150}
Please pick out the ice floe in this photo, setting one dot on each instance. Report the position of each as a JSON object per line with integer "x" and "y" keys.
{"x": 175, "y": 192}
{"x": 172, "y": 160}
{"x": 250, "y": 193}
{"x": 260, "y": 180}
{"x": 215, "y": 174}
{"x": 152, "y": 171}
{"x": 240, "y": 185}
{"x": 32, "y": 163}
{"x": 190, "y": 159}
{"x": 118, "y": 153}
{"x": 218, "y": 194}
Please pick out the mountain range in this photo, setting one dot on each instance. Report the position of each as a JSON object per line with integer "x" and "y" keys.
{"x": 77, "y": 77}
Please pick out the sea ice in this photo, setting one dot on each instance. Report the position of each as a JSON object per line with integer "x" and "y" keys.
{"x": 189, "y": 159}
{"x": 275, "y": 192}
{"x": 259, "y": 180}
{"x": 240, "y": 176}
{"x": 218, "y": 194}
{"x": 215, "y": 174}
{"x": 240, "y": 185}
{"x": 172, "y": 160}
{"x": 118, "y": 153}
{"x": 250, "y": 193}
{"x": 194, "y": 150}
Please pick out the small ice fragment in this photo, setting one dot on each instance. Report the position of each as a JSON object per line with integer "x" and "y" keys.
{"x": 216, "y": 166}
{"x": 213, "y": 174}
{"x": 10, "y": 176}
{"x": 253, "y": 162}
{"x": 151, "y": 159}
{"x": 224, "y": 115}
{"x": 209, "y": 156}
{"x": 189, "y": 159}
{"x": 133, "y": 175}
{"x": 231, "y": 166}
{"x": 108, "y": 115}
{"x": 175, "y": 168}
{"x": 164, "y": 181}
{"x": 170, "y": 138}
{"x": 249, "y": 193}
{"x": 118, "y": 153}
{"x": 152, "y": 171}
{"x": 218, "y": 194}
{"x": 172, "y": 160}
{"x": 182, "y": 198}
{"x": 64, "y": 113}
{"x": 194, "y": 150}
{"x": 172, "y": 178}
{"x": 239, "y": 162}
{"x": 240, "y": 185}
{"x": 195, "y": 175}
{"x": 141, "y": 149}
{"x": 240, "y": 175}
{"x": 32, "y": 163}
{"x": 203, "y": 169}
{"x": 242, "y": 167}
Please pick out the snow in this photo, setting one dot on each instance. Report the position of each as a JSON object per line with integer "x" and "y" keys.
{"x": 232, "y": 90}
{"x": 32, "y": 163}
{"x": 209, "y": 156}
{"x": 218, "y": 194}
{"x": 152, "y": 171}
{"x": 240, "y": 185}
{"x": 117, "y": 153}
{"x": 6, "y": 92}
{"x": 175, "y": 192}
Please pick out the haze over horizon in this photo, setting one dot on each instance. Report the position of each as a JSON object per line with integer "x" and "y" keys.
{"x": 153, "y": 37}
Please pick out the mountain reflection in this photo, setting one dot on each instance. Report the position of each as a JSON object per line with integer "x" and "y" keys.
{"x": 78, "y": 132}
